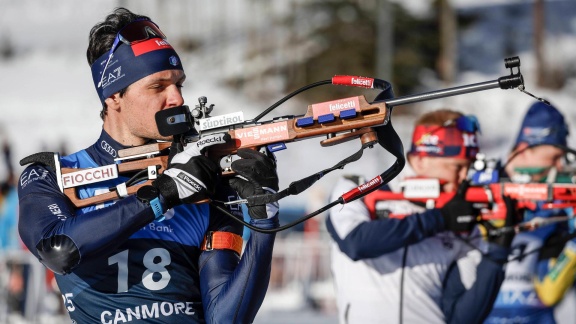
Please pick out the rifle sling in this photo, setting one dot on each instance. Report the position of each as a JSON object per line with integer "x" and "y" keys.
{"x": 301, "y": 185}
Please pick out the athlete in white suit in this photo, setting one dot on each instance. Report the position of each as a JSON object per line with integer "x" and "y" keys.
{"x": 430, "y": 266}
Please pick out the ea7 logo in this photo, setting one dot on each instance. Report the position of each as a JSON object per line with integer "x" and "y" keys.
{"x": 32, "y": 175}
{"x": 112, "y": 76}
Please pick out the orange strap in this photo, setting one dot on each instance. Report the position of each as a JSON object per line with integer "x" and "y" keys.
{"x": 221, "y": 241}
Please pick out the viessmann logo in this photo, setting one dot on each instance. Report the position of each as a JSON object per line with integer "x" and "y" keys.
{"x": 267, "y": 133}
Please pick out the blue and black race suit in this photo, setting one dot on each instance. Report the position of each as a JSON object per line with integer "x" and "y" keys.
{"x": 116, "y": 264}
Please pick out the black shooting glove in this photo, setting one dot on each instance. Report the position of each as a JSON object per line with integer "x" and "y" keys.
{"x": 504, "y": 235}
{"x": 256, "y": 175}
{"x": 459, "y": 214}
{"x": 190, "y": 176}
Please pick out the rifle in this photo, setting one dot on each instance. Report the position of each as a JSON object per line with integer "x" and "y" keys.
{"x": 557, "y": 190}
{"x": 490, "y": 196}
{"x": 339, "y": 120}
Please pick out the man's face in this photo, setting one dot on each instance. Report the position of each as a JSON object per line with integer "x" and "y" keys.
{"x": 144, "y": 98}
{"x": 545, "y": 156}
{"x": 451, "y": 170}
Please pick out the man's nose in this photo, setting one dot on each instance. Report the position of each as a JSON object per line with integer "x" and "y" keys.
{"x": 175, "y": 98}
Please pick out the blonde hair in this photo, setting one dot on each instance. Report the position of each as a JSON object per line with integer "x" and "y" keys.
{"x": 438, "y": 117}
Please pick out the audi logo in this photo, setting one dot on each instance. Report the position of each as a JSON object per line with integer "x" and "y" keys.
{"x": 106, "y": 147}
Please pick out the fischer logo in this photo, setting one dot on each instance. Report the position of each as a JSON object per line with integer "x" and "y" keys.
{"x": 108, "y": 148}
{"x": 84, "y": 177}
{"x": 221, "y": 121}
{"x": 370, "y": 184}
{"x": 362, "y": 82}
{"x": 214, "y": 139}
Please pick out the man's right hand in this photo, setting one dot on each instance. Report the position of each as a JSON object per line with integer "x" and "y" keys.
{"x": 459, "y": 215}
{"x": 190, "y": 176}
{"x": 504, "y": 238}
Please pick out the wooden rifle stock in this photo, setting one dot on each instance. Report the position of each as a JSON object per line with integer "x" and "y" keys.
{"x": 129, "y": 166}
{"x": 338, "y": 131}
{"x": 253, "y": 137}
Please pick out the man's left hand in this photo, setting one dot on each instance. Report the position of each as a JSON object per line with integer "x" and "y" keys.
{"x": 256, "y": 175}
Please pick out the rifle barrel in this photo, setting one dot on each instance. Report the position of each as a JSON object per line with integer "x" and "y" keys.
{"x": 441, "y": 93}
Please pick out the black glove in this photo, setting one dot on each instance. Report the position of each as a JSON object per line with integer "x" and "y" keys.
{"x": 459, "y": 214}
{"x": 503, "y": 236}
{"x": 256, "y": 176}
{"x": 190, "y": 176}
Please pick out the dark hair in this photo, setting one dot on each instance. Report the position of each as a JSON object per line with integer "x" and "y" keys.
{"x": 102, "y": 37}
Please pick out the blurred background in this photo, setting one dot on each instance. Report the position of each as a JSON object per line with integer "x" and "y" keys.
{"x": 247, "y": 54}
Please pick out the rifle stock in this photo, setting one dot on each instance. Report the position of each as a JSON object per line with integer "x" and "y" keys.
{"x": 338, "y": 130}
{"x": 490, "y": 198}
{"x": 252, "y": 137}
{"x": 138, "y": 158}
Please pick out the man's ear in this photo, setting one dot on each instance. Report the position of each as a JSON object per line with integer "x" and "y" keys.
{"x": 113, "y": 102}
